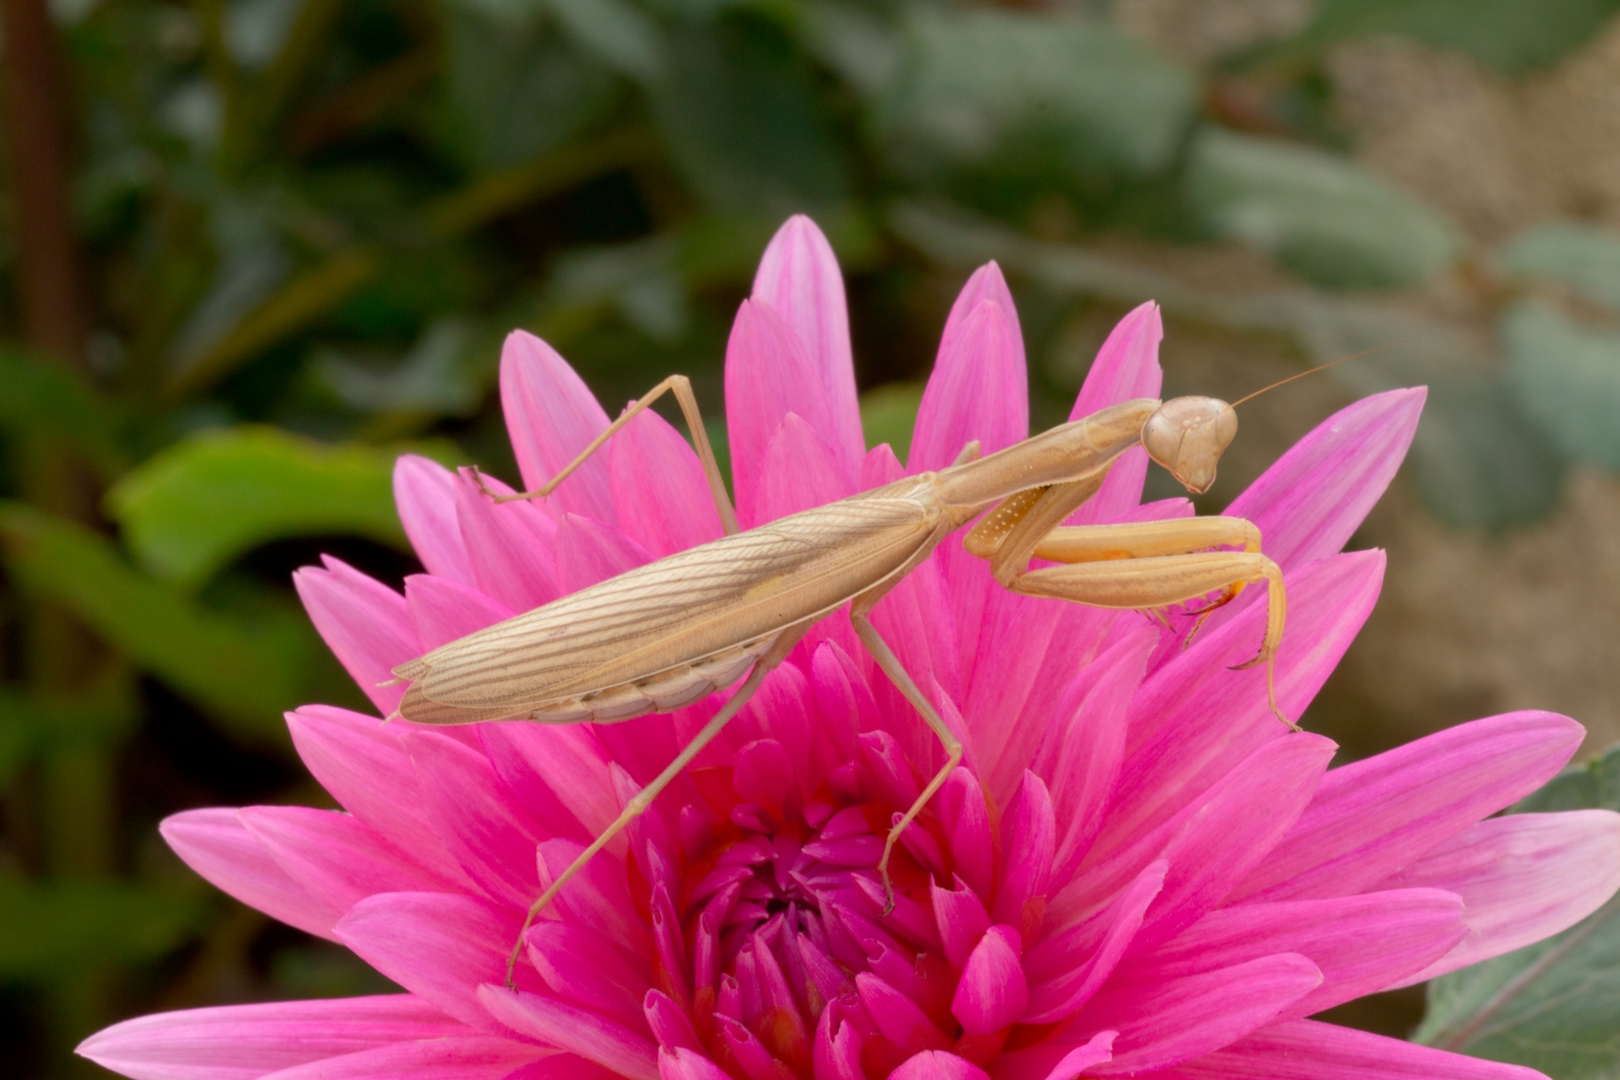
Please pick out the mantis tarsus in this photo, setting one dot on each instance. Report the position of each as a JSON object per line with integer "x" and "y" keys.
{"x": 669, "y": 633}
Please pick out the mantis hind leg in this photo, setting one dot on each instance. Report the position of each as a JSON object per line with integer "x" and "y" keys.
{"x": 682, "y": 387}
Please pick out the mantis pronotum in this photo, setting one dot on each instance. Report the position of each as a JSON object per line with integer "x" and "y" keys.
{"x": 673, "y": 631}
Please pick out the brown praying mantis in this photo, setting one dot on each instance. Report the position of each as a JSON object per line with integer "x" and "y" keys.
{"x": 676, "y": 630}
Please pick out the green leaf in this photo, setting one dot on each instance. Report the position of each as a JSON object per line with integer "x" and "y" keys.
{"x": 1479, "y": 462}
{"x": 888, "y": 415}
{"x": 620, "y": 34}
{"x": 246, "y": 666}
{"x": 52, "y": 927}
{"x": 1316, "y": 213}
{"x": 1011, "y": 90}
{"x": 194, "y": 507}
{"x": 1555, "y": 1005}
{"x": 39, "y": 398}
{"x": 1567, "y": 378}
{"x": 1509, "y": 35}
{"x": 1583, "y": 258}
{"x": 100, "y": 715}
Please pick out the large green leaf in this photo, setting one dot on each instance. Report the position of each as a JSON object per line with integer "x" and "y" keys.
{"x": 1509, "y": 35}
{"x": 1317, "y": 213}
{"x": 191, "y": 509}
{"x": 988, "y": 86}
{"x": 50, "y": 928}
{"x": 1568, "y": 379}
{"x": 245, "y": 666}
{"x": 1555, "y": 1005}
{"x": 1585, "y": 259}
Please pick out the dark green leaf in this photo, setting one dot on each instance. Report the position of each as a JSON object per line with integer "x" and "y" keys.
{"x": 199, "y": 504}
{"x": 1585, "y": 259}
{"x": 99, "y": 716}
{"x": 889, "y": 413}
{"x": 1318, "y": 214}
{"x": 1478, "y": 460}
{"x": 1567, "y": 378}
{"x": 616, "y": 31}
{"x": 38, "y": 398}
{"x": 247, "y": 667}
{"x": 1017, "y": 90}
{"x": 1554, "y": 1005}
{"x": 1509, "y": 35}
{"x": 49, "y": 928}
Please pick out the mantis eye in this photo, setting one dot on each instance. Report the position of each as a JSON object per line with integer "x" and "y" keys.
{"x": 1187, "y": 435}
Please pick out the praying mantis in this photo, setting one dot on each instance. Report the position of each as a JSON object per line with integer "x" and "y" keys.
{"x": 666, "y": 634}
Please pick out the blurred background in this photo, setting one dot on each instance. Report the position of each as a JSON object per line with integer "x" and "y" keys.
{"x": 252, "y": 249}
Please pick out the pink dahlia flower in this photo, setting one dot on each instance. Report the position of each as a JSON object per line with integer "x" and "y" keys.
{"x": 1137, "y": 870}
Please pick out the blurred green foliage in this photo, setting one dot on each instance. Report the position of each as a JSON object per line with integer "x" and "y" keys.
{"x": 306, "y": 224}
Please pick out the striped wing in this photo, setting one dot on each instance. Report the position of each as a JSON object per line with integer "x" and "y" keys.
{"x": 680, "y": 609}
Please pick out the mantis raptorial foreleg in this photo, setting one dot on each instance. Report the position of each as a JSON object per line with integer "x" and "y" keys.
{"x": 682, "y": 386}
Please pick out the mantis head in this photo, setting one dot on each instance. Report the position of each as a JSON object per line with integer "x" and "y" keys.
{"x": 1187, "y": 436}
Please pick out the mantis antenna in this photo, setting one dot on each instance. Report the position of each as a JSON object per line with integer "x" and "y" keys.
{"x": 1320, "y": 367}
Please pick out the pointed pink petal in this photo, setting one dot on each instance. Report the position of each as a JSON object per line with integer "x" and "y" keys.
{"x": 985, "y": 283}
{"x": 363, "y": 764}
{"x": 1359, "y": 942}
{"x": 1167, "y": 1023}
{"x": 438, "y": 946}
{"x": 581, "y": 967}
{"x": 567, "y": 759}
{"x": 492, "y": 836}
{"x": 443, "y": 610}
{"x": 799, "y": 277}
{"x": 962, "y": 919}
{"x": 992, "y": 992}
{"x": 966, "y": 817}
{"x": 1126, "y": 368}
{"x": 579, "y": 1031}
{"x": 1374, "y": 817}
{"x": 1194, "y": 719}
{"x": 1084, "y": 1056}
{"x": 768, "y": 375}
{"x": 510, "y": 545}
{"x": 424, "y": 492}
{"x": 938, "y": 1065}
{"x": 658, "y": 484}
{"x": 469, "y": 1057}
{"x": 1522, "y": 878}
{"x": 1315, "y": 496}
{"x": 219, "y": 848}
{"x": 1309, "y": 1050}
{"x": 364, "y": 622}
{"x": 1028, "y": 840}
{"x": 590, "y": 551}
{"x": 245, "y": 1042}
{"x": 598, "y": 896}
{"x": 334, "y": 856}
{"x": 977, "y": 391}
{"x": 797, "y": 473}
{"x": 1063, "y": 977}
{"x": 552, "y": 416}
{"x": 683, "y": 1064}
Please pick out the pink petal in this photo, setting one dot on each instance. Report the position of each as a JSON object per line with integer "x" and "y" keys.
{"x": 552, "y": 416}
{"x": 1084, "y": 1056}
{"x": 977, "y": 391}
{"x": 567, "y": 759}
{"x": 768, "y": 375}
{"x": 1315, "y": 496}
{"x": 658, "y": 484}
{"x": 1164, "y": 1024}
{"x": 424, "y": 492}
{"x": 1063, "y": 977}
{"x": 938, "y": 1065}
{"x": 985, "y": 283}
{"x": 962, "y": 919}
{"x": 245, "y": 1042}
{"x": 582, "y": 968}
{"x": 897, "y": 1016}
{"x": 796, "y": 473}
{"x": 579, "y": 1031}
{"x": 438, "y": 946}
{"x": 967, "y": 826}
{"x": 682, "y": 1064}
{"x": 589, "y": 551}
{"x": 1522, "y": 878}
{"x": 1126, "y": 368}
{"x": 1029, "y": 838}
{"x": 1308, "y": 1050}
{"x": 470, "y": 1057}
{"x": 992, "y": 992}
{"x": 334, "y": 856}
{"x": 1195, "y": 719}
{"x": 509, "y": 544}
{"x": 362, "y": 762}
{"x": 219, "y": 848}
{"x": 798, "y": 276}
{"x": 365, "y": 623}
{"x": 1374, "y": 817}
{"x": 443, "y": 610}
{"x": 1359, "y": 942}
